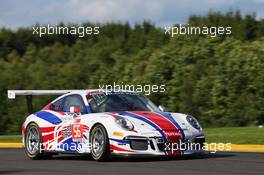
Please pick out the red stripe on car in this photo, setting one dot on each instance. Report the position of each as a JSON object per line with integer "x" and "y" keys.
{"x": 169, "y": 129}
{"x": 48, "y": 137}
{"x": 47, "y": 129}
{"x": 115, "y": 148}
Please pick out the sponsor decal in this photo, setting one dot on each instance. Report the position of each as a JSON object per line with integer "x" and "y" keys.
{"x": 67, "y": 132}
{"x": 68, "y": 118}
{"x": 172, "y": 134}
{"x": 77, "y": 120}
{"x": 119, "y": 134}
{"x": 77, "y": 132}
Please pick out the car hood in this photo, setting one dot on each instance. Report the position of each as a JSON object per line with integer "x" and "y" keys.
{"x": 160, "y": 121}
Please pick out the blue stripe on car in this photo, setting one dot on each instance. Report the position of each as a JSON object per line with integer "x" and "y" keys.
{"x": 120, "y": 141}
{"x": 49, "y": 117}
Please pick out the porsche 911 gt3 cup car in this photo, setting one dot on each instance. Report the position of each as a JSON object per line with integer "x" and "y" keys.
{"x": 103, "y": 123}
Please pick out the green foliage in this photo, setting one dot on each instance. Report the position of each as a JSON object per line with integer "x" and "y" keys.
{"x": 219, "y": 80}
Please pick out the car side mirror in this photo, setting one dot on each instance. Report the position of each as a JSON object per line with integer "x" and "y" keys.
{"x": 162, "y": 108}
{"x": 74, "y": 110}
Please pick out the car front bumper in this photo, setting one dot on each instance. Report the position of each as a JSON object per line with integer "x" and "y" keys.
{"x": 154, "y": 145}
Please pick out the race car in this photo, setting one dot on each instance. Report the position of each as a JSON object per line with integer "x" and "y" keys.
{"x": 105, "y": 123}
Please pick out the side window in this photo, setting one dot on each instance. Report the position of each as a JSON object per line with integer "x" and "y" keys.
{"x": 74, "y": 100}
{"x": 57, "y": 105}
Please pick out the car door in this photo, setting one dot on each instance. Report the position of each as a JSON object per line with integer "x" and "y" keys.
{"x": 70, "y": 133}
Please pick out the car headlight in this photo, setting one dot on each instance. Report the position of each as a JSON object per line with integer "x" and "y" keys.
{"x": 192, "y": 121}
{"x": 124, "y": 123}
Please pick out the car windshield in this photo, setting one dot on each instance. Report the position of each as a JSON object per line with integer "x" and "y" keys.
{"x": 115, "y": 102}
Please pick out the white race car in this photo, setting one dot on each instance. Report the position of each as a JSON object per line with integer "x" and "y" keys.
{"x": 104, "y": 123}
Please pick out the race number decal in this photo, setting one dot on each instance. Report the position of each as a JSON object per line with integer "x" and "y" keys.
{"x": 77, "y": 132}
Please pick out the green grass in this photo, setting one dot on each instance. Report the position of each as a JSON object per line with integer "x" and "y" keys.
{"x": 235, "y": 135}
{"x": 10, "y": 138}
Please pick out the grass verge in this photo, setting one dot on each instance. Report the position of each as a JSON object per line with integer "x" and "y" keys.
{"x": 10, "y": 138}
{"x": 235, "y": 135}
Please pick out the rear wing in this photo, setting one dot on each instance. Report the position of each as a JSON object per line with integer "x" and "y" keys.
{"x": 13, "y": 93}
{"x": 29, "y": 93}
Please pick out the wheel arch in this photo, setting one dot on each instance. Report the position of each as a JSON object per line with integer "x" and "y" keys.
{"x": 31, "y": 123}
{"x": 94, "y": 125}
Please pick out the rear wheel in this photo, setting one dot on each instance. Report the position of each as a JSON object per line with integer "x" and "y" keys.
{"x": 100, "y": 143}
{"x": 33, "y": 143}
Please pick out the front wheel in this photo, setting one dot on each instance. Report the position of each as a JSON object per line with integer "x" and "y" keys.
{"x": 100, "y": 143}
{"x": 33, "y": 143}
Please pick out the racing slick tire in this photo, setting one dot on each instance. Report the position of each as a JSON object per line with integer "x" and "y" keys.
{"x": 99, "y": 143}
{"x": 33, "y": 143}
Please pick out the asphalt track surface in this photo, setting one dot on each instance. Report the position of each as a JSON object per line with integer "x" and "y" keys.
{"x": 14, "y": 161}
